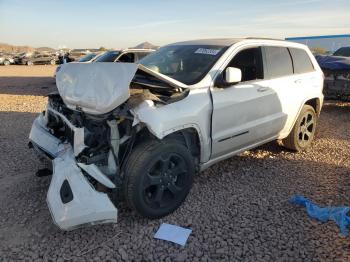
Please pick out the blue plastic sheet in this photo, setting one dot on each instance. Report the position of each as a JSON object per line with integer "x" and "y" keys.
{"x": 323, "y": 214}
{"x": 334, "y": 62}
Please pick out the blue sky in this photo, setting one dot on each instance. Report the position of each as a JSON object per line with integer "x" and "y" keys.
{"x": 116, "y": 24}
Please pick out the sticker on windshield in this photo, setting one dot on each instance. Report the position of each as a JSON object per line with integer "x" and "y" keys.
{"x": 206, "y": 51}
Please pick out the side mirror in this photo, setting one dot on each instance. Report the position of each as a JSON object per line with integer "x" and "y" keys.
{"x": 233, "y": 75}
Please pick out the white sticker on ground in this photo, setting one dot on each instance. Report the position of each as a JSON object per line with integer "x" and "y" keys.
{"x": 206, "y": 51}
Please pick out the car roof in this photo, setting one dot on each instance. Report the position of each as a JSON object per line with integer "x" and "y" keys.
{"x": 137, "y": 50}
{"x": 224, "y": 41}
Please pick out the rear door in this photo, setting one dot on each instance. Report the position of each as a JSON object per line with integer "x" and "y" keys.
{"x": 284, "y": 78}
{"x": 246, "y": 113}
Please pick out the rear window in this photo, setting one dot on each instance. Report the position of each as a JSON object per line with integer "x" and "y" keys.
{"x": 301, "y": 61}
{"x": 279, "y": 61}
{"x": 343, "y": 51}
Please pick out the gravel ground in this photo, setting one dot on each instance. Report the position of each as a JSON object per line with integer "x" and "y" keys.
{"x": 238, "y": 209}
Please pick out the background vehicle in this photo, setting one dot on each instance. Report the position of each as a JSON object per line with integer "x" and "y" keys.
{"x": 144, "y": 130}
{"x": 343, "y": 51}
{"x": 336, "y": 69}
{"x": 6, "y": 59}
{"x": 87, "y": 58}
{"x": 38, "y": 59}
{"x": 124, "y": 55}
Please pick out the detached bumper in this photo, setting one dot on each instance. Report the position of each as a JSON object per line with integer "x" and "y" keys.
{"x": 72, "y": 200}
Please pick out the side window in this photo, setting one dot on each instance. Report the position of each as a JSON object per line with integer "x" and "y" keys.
{"x": 250, "y": 62}
{"x": 301, "y": 61}
{"x": 279, "y": 61}
{"x": 127, "y": 58}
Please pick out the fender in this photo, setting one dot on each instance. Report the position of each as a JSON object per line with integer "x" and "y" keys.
{"x": 192, "y": 112}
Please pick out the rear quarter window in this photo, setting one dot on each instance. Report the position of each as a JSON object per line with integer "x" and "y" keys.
{"x": 301, "y": 61}
{"x": 279, "y": 61}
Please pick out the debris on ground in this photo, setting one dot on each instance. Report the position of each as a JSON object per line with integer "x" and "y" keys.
{"x": 323, "y": 214}
{"x": 175, "y": 234}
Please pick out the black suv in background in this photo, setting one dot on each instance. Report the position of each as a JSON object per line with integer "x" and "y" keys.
{"x": 37, "y": 59}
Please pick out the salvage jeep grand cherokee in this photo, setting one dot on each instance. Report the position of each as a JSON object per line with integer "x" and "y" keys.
{"x": 143, "y": 131}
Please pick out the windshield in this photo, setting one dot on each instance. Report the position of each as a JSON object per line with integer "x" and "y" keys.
{"x": 185, "y": 63}
{"x": 108, "y": 56}
{"x": 87, "y": 57}
{"x": 344, "y": 51}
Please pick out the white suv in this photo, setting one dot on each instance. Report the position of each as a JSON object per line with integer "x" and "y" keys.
{"x": 143, "y": 131}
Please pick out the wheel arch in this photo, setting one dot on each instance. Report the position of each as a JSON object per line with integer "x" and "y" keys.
{"x": 189, "y": 136}
{"x": 316, "y": 104}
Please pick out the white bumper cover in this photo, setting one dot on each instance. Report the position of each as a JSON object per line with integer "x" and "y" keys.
{"x": 72, "y": 200}
{"x": 87, "y": 205}
{"x": 42, "y": 138}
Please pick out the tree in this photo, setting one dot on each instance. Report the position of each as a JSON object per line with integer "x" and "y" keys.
{"x": 318, "y": 50}
{"x": 102, "y": 48}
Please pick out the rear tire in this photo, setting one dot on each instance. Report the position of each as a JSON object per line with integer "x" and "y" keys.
{"x": 6, "y": 63}
{"x": 158, "y": 177}
{"x": 30, "y": 63}
{"x": 53, "y": 62}
{"x": 303, "y": 132}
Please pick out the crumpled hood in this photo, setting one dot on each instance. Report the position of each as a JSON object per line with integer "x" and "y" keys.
{"x": 95, "y": 88}
{"x": 98, "y": 88}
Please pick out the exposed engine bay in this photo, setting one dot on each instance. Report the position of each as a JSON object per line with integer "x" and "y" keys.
{"x": 85, "y": 142}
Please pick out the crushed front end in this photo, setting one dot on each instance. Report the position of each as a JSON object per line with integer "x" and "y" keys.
{"x": 88, "y": 130}
{"x": 84, "y": 137}
{"x": 85, "y": 153}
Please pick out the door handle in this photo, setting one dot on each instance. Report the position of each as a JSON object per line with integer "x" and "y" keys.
{"x": 263, "y": 89}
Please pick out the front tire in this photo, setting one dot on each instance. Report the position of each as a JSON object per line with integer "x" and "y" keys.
{"x": 6, "y": 63}
{"x": 159, "y": 176}
{"x": 303, "y": 132}
{"x": 30, "y": 63}
{"x": 53, "y": 62}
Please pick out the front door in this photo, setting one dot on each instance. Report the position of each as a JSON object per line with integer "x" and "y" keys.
{"x": 246, "y": 113}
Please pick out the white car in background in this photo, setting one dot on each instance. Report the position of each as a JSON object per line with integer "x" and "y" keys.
{"x": 130, "y": 55}
{"x": 143, "y": 131}
{"x": 6, "y": 59}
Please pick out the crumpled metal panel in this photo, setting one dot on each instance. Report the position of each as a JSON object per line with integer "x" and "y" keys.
{"x": 88, "y": 206}
{"x": 95, "y": 88}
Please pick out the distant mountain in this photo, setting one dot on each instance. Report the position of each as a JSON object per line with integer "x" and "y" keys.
{"x": 12, "y": 48}
{"x": 146, "y": 45}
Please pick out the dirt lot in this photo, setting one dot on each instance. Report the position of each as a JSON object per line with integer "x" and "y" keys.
{"x": 238, "y": 209}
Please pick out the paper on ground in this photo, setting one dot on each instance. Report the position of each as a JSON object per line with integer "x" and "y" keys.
{"x": 175, "y": 234}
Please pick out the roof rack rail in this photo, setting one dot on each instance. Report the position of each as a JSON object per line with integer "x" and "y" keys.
{"x": 264, "y": 38}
